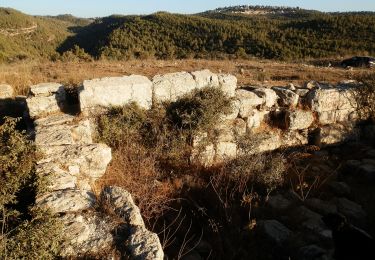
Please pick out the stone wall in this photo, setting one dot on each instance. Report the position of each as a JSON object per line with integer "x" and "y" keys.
{"x": 280, "y": 117}
{"x": 273, "y": 118}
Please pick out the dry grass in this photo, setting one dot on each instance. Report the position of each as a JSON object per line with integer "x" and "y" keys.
{"x": 249, "y": 72}
{"x": 135, "y": 169}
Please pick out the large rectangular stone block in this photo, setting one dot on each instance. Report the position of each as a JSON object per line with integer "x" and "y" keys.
{"x": 116, "y": 91}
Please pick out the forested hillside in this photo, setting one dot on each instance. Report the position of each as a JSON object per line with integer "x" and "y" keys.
{"x": 278, "y": 33}
{"x": 23, "y": 36}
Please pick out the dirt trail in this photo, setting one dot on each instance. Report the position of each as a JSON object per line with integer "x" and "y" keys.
{"x": 14, "y": 32}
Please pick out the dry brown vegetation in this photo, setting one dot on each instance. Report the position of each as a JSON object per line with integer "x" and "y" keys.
{"x": 265, "y": 72}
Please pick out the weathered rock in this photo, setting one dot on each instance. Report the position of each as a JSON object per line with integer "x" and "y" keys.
{"x": 116, "y": 91}
{"x": 170, "y": 87}
{"x": 254, "y": 119}
{"x": 233, "y": 114}
{"x": 64, "y": 134}
{"x": 351, "y": 210}
{"x": 337, "y": 133}
{"x": 269, "y": 96}
{"x": 88, "y": 234}
{"x": 228, "y": 84}
{"x": 273, "y": 230}
{"x": 298, "y": 119}
{"x": 6, "y": 91}
{"x": 91, "y": 160}
{"x": 287, "y": 98}
{"x": 45, "y": 98}
{"x": 302, "y": 92}
{"x": 313, "y": 252}
{"x": 225, "y": 151}
{"x": 294, "y": 138}
{"x": 52, "y": 120}
{"x": 205, "y": 78}
{"x": 312, "y": 84}
{"x": 123, "y": 205}
{"x": 320, "y": 206}
{"x": 248, "y": 101}
{"x": 340, "y": 188}
{"x": 290, "y": 86}
{"x": 267, "y": 142}
{"x": 57, "y": 178}
{"x": 68, "y": 200}
{"x": 310, "y": 220}
{"x": 332, "y": 99}
{"x": 144, "y": 245}
{"x": 279, "y": 202}
{"x": 335, "y": 116}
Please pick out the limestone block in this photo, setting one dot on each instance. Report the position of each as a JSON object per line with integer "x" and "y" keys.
{"x": 45, "y": 98}
{"x": 228, "y": 84}
{"x": 287, "y": 98}
{"x": 6, "y": 91}
{"x": 332, "y": 99}
{"x": 269, "y": 96}
{"x": 171, "y": 86}
{"x": 225, "y": 151}
{"x": 294, "y": 138}
{"x": 123, "y": 205}
{"x": 298, "y": 119}
{"x": 90, "y": 159}
{"x": 116, "y": 91}
{"x": 88, "y": 234}
{"x": 67, "y": 200}
{"x": 248, "y": 101}
{"x": 143, "y": 244}
{"x": 336, "y": 133}
{"x": 205, "y": 78}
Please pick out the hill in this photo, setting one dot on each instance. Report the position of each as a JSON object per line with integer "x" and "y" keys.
{"x": 28, "y": 37}
{"x": 307, "y": 34}
{"x": 232, "y": 32}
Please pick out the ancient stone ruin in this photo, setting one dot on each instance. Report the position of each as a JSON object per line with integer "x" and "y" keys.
{"x": 279, "y": 117}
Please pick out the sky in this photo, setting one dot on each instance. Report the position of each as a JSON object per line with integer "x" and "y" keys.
{"x": 97, "y": 8}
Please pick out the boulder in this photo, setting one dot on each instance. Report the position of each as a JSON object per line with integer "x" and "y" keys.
{"x": 313, "y": 252}
{"x": 294, "y": 138}
{"x": 336, "y": 116}
{"x": 332, "y": 99}
{"x": 57, "y": 178}
{"x": 269, "y": 96}
{"x": 279, "y": 202}
{"x": 248, "y": 101}
{"x": 67, "y": 200}
{"x": 225, "y": 151}
{"x": 116, "y": 91}
{"x": 254, "y": 119}
{"x": 142, "y": 243}
{"x": 320, "y": 206}
{"x": 45, "y": 98}
{"x": 205, "y": 78}
{"x": 228, "y": 84}
{"x": 274, "y": 231}
{"x": 302, "y": 92}
{"x": 64, "y": 134}
{"x": 351, "y": 210}
{"x": 6, "y": 91}
{"x": 298, "y": 119}
{"x": 171, "y": 86}
{"x": 336, "y": 133}
{"x": 91, "y": 160}
{"x": 88, "y": 234}
{"x": 233, "y": 114}
{"x": 123, "y": 205}
{"x": 145, "y": 245}
{"x": 287, "y": 98}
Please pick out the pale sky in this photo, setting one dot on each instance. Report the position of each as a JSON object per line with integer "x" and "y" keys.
{"x": 95, "y": 8}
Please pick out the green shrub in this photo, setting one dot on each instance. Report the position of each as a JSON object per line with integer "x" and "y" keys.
{"x": 199, "y": 111}
{"x": 26, "y": 231}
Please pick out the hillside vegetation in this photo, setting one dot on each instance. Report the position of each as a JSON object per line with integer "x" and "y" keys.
{"x": 24, "y": 37}
{"x": 279, "y": 33}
